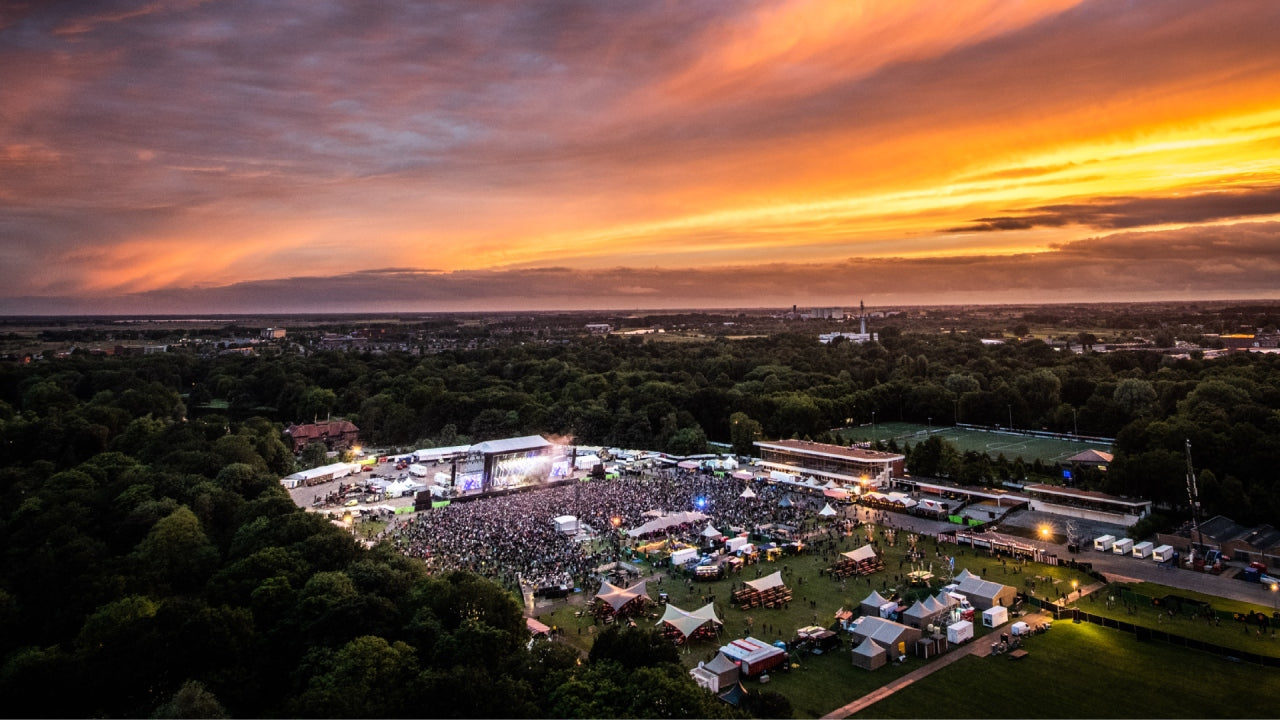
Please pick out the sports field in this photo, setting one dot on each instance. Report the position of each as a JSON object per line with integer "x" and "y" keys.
{"x": 1030, "y": 449}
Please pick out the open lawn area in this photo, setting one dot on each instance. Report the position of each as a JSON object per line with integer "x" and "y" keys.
{"x": 1134, "y": 606}
{"x": 1087, "y": 671}
{"x": 1012, "y": 446}
{"x": 821, "y": 683}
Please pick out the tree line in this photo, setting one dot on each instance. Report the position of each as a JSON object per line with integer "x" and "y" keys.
{"x": 154, "y": 564}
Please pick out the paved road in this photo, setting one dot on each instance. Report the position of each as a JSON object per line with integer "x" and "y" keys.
{"x": 1117, "y": 566}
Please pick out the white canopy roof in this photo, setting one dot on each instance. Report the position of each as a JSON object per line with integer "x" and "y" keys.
{"x": 868, "y": 649}
{"x": 769, "y": 581}
{"x": 863, "y": 552}
{"x": 827, "y": 511}
{"x": 666, "y": 521}
{"x": 618, "y": 597}
{"x": 875, "y": 599}
{"x": 711, "y": 532}
{"x": 688, "y": 622}
{"x": 748, "y": 493}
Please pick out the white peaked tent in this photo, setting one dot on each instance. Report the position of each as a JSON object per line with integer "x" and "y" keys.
{"x": 917, "y": 615}
{"x": 860, "y": 553}
{"x": 872, "y": 603}
{"x": 964, "y": 575}
{"x": 832, "y": 485}
{"x": 945, "y": 599}
{"x": 869, "y": 655}
{"x": 827, "y": 511}
{"x": 748, "y": 493}
{"x": 769, "y": 581}
{"x": 711, "y": 532}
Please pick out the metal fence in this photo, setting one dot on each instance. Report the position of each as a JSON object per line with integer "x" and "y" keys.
{"x": 1061, "y": 612}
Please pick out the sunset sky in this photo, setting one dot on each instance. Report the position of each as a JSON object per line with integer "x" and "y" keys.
{"x": 189, "y": 156}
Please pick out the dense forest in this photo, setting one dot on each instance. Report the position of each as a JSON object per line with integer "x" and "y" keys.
{"x": 154, "y": 565}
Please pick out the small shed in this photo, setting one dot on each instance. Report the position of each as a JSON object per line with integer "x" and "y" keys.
{"x": 1143, "y": 549}
{"x": 869, "y": 655}
{"x": 995, "y": 616}
{"x": 1104, "y": 542}
{"x": 1123, "y": 546}
{"x": 566, "y": 524}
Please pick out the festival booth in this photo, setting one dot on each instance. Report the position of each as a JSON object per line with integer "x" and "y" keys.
{"x": 827, "y": 512}
{"x": 871, "y": 605}
{"x": 920, "y": 614}
{"x": 721, "y": 672}
{"x": 688, "y": 465}
{"x": 984, "y": 594}
{"x": 894, "y": 637}
{"x": 710, "y": 534}
{"x": 869, "y": 656}
{"x": 682, "y": 626}
{"x": 859, "y": 561}
{"x": 743, "y": 475}
{"x": 565, "y": 524}
{"x": 747, "y": 493}
{"x": 754, "y": 657}
{"x": 817, "y": 640}
{"x": 769, "y": 591}
{"x": 613, "y": 601}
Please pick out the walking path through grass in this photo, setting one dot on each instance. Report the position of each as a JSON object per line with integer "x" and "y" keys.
{"x": 976, "y": 648}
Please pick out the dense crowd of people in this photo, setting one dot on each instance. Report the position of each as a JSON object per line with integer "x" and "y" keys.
{"x": 513, "y": 538}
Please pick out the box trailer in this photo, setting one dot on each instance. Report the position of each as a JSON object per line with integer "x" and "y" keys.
{"x": 995, "y": 617}
{"x": 684, "y": 556}
{"x": 959, "y": 632}
{"x": 1164, "y": 553}
{"x": 1123, "y": 546}
{"x": 1104, "y": 543}
{"x": 1143, "y": 549}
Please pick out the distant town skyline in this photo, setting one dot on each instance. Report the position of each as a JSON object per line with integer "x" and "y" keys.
{"x": 326, "y": 156}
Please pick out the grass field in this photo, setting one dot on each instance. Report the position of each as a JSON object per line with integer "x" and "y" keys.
{"x": 1087, "y": 671}
{"x": 1057, "y": 678}
{"x": 1030, "y": 449}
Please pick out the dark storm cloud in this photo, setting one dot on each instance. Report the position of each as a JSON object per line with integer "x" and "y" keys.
{"x": 1117, "y": 213}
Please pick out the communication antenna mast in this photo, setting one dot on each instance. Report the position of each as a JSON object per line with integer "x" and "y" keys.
{"x": 1194, "y": 496}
